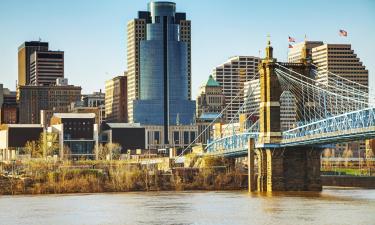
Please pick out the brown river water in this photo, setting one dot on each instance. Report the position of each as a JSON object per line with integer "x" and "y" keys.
{"x": 332, "y": 206}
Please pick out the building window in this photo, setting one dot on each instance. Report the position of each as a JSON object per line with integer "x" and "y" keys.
{"x": 176, "y": 137}
{"x": 156, "y": 137}
{"x": 186, "y": 137}
{"x": 192, "y": 136}
{"x": 157, "y": 19}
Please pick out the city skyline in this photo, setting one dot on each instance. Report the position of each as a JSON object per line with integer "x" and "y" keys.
{"x": 96, "y": 33}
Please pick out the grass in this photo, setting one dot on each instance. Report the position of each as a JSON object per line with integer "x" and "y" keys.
{"x": 352, "y": 171}
{"x": 48, "y": 177}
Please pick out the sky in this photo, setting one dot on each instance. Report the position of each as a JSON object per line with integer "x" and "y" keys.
{"x": 92, "y": 33}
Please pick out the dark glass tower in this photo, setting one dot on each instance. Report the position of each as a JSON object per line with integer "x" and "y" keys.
{"x": 163, "y": 97}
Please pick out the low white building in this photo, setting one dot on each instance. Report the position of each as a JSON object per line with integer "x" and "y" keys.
{"x": 77, "y": 134}
{"x": 13, "y": 138}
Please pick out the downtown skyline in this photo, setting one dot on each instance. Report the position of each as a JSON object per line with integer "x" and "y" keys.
{"x": 93, "y": 36}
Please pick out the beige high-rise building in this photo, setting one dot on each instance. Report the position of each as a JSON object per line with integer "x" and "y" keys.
{"x": 232, "y": 76}
{"x": 116, "y": 99}
{"x": 185, "y": 36}
{"x": 136, "y": 33}
{"x": 341, "y": 60}
{"x": 24, "y": 52}
{"x": 332, "y": 60}
{"x": 295, "y": 53}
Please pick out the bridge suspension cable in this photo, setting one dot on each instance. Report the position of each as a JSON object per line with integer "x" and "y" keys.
{"x": 214, "y": 120}
{"x": 316, "y": 101}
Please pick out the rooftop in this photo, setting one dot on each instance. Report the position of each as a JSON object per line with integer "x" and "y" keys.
{"x": 123, "y": 125}
{"x": 74, "y": 115}
{"x": 209, "y": 116}
{"x": 6, "y": 126}
{"x": 212, "y": 82}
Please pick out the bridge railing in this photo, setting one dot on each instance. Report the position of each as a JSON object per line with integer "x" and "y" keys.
{"x": 230, "y": 144}
{"x": 357, "y": 122}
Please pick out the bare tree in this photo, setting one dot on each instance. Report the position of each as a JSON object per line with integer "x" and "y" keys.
{"x": 33, "y": 148}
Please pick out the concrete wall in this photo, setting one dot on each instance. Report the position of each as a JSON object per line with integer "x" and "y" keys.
{"x": 349, "y": 181}
{"x": 3, "y": 139}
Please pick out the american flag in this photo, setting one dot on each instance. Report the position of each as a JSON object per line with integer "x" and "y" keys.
{"x": 290, "y": 39}
{"x": 343, "y": 33}
{"x": 290, "y": 46}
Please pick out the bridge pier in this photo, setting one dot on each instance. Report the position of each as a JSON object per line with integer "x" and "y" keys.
{"x": 289, "y": 169}
{"x": 275, "y": 170}
{"x": 250, "y": 165}
{"x": 262, "y": 170}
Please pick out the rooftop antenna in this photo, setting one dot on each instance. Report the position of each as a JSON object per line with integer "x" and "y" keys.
{"x": 39, "y": 39}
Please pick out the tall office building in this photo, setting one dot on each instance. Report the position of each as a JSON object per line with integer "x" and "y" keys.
{"x": 116, "y": 100}
{"x": 295, "y": 54}
{"x": 341, "y": 60}
{"x": 137, "y": 31}
{"x": 185, "y": 36}
{"x": 232, "y": 76}
{"x": 24, "y": 53}
{"x": 46, "y": 67}
{"x": 163, "y": 82}
{"x": 330, "y": 59}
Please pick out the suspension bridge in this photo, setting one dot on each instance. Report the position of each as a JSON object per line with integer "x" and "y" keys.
{"x": 327, "y": 111}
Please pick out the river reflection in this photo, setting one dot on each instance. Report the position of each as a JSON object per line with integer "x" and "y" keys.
{"x": 332, "y": 206}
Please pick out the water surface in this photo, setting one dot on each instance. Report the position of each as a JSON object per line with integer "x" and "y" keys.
{"x": 332, "y": 206}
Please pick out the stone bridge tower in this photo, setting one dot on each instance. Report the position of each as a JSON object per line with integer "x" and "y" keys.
{"x": 282, "y": 168}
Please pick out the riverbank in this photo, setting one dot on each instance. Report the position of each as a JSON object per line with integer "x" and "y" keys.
{"x": 95, "y": 177}
{"x": 349, "y": 181}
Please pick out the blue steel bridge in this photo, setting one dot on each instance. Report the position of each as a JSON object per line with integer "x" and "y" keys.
{"x": 332, "y": 112}
{"x": 327, "y": 109}
{"x": 351, "y": 126}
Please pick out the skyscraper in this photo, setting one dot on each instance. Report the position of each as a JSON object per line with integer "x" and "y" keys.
{"x": 24, "y": 53}
{"x": 137, "y": 31}
{"x": 46, "y": 67}
{"x": 163, "y": 73}
{"x": 340, "y": 59}
{"x": 232, "y": 76}
{"x": 333, "y": 61}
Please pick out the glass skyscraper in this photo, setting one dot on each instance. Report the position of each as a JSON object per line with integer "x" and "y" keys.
{"x": 163, "y": 90}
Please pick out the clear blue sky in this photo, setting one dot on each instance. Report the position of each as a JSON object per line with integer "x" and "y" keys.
{"x": 93, "y": 32}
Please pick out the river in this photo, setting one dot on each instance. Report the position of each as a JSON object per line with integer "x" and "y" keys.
{"x": 332, "y": 206}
